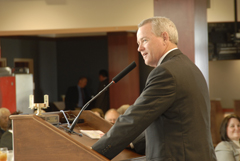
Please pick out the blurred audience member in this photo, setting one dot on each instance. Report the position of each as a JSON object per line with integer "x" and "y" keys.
{"x": 228, "y": 149}
{"x": 6, "y": 138}
{"x": 111, "y": 115}
{"x": 122, "y": 109}
{"x": 98, "y": 112}
{"x": 102, "y": 101}
{"x": 77, "y": 96}
{"x": 4, "y": 120}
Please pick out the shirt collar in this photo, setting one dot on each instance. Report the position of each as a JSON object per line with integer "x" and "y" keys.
{"x": 161, "y": 59}
{"x": 2, "y": 130}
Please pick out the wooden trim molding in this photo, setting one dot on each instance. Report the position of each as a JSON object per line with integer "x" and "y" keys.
{"x": 68, "y": 31}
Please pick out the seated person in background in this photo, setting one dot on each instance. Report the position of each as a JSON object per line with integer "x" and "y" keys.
{"x": 228, "y": 149}
{"x": 4, "y": 120}
{"x": 111, "y": 115}
{"x": 102, "y": 101}
{"x": 98, "y": 112}
{"x": 6, "y": 138}
{"x": 122, "y": 109}
{"x": 77, "y": 95}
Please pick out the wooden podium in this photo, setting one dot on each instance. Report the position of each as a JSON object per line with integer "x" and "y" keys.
{"x": 35, "y": 139}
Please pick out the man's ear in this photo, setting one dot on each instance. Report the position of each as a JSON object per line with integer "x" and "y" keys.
{"x": 165, "y": 36}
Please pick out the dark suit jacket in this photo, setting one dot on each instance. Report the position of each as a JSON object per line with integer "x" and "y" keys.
{"x": 6, "y": 140}
{"x": 1, "y": 132}
{"x": 174, "y": 108}
{"x": 71, "y": 98}
{"x": 139, "y": 144}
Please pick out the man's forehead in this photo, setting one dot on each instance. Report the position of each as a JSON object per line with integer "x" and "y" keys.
{"x": 140, "y": 35}
{"x": 144, "y": 30}
{"x": 5, "y": 113}
{"x": 3, "y": 116}
{"x": 144, "y": 35}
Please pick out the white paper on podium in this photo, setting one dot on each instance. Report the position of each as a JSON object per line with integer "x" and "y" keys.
{"x": 93, "y": 134}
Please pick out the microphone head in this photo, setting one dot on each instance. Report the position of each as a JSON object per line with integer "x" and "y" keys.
{"x": 124, "y": 72}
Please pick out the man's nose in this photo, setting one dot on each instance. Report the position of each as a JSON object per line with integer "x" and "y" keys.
{"x": 140, "y": 48}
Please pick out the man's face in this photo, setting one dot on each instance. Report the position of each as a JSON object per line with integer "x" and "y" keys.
{"x": 4, "y": 120}
{"x": 111, "y": 116}
{"x": 82, "y": 83}
{"x": 151, "y": 47}
{"x": 101, "y": 78}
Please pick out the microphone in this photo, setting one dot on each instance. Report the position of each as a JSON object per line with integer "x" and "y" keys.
{"x": 124, "y": 72}
{"x": 114, "y": 80}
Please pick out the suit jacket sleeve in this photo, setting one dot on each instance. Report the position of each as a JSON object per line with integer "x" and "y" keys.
{"x": 140, "y": 144}
{"x": 155, "y": 99}
{"x": 225, "y": 152}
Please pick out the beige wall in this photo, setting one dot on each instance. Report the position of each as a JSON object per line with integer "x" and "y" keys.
{"x": 72, "y": 14}
{"x": 224, "y": 78}
{"x": 222, "y": 11}
{"x": 75, "y": 14}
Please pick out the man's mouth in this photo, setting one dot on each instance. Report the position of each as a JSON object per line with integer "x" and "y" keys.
{"x": 144, "y": 55}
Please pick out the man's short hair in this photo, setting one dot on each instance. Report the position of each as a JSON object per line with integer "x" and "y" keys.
{"x": 81, "y": 78}
{"x": 3, "y": 110}
{"x": 103, "y": 73}
{"x": 160, "y": 25}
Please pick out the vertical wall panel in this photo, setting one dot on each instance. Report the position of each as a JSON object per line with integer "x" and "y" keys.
{"x": 190, "y": 18}
{"x": 122, "y": 50}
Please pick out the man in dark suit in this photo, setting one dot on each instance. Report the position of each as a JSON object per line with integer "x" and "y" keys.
{"x": 6, "y": 137}
{"x": 77, "y": 96}
{"x": 102, "y": 101}
{"x": 4, "y": 120}
{"x": 174, "y": 107}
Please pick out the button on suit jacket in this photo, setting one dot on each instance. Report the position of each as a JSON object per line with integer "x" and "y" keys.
{"x": 174, "y": 111}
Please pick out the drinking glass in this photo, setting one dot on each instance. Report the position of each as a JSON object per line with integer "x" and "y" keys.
{"x": 10, "y": 156}
{"x": 3, "y": 154}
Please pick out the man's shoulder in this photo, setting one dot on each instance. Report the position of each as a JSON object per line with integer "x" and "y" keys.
{"x": 7, "y": 134}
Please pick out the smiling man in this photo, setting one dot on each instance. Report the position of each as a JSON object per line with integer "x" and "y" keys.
{"x": 174, "y": 108}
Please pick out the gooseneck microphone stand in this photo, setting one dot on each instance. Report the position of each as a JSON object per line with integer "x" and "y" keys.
{"x": 114, "y": 80}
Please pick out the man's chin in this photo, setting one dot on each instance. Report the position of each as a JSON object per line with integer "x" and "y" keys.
{"x": 146, "y": 62}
